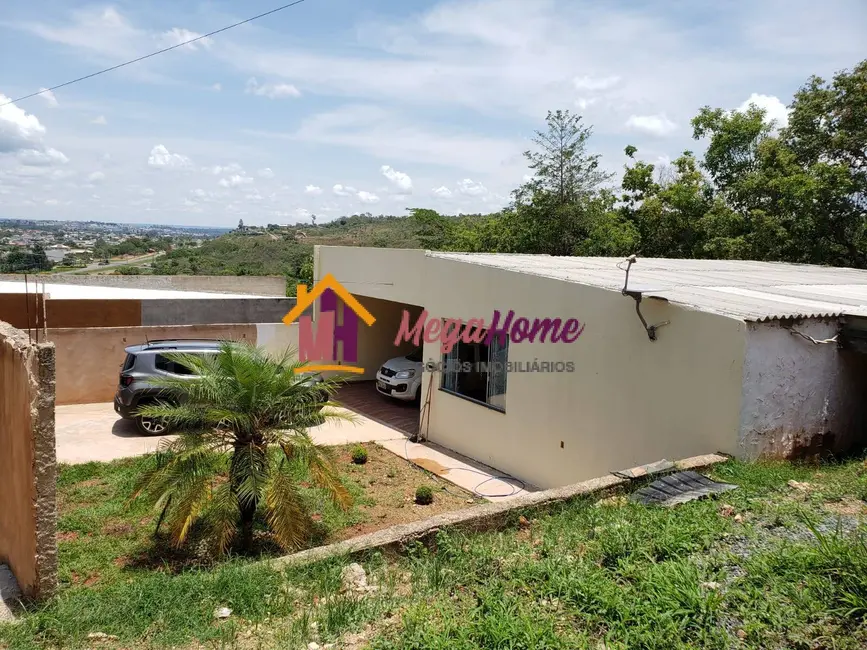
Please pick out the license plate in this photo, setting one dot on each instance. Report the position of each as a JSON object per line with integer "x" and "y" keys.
{"x": 381, "y": 385}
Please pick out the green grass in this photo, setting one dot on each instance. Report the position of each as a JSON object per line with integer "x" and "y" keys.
{"x": 791, "y": 572}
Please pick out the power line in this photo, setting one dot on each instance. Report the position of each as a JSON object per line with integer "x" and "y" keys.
{"x": 147, "y": 56}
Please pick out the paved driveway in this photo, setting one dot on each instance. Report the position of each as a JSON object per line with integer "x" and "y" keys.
{"x": 87, "y": 432}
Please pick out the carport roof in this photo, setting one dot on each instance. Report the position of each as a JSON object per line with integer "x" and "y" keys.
{"x": 751, "y": 291}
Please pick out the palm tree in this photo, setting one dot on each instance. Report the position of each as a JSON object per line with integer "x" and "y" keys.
{"x": 242, "y": 418}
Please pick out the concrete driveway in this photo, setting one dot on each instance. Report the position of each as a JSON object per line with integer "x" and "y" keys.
{"x": 88, "y": 432}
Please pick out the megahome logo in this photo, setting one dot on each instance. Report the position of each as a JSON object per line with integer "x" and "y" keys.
{"x": 319, "y": 344}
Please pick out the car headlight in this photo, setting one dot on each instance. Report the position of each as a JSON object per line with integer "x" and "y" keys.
{"x": 405, "y": 374}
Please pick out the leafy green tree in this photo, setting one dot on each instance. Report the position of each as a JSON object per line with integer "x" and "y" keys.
{"x": 243, "y": 419}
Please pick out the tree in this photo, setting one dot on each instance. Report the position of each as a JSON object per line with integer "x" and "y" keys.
{"x": 561, "y": 165}
{"x": 240, "y": 224}
{"x": 242, "y": 419}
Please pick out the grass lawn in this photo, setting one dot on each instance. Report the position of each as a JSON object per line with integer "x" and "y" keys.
{"x": 779, "y": 563}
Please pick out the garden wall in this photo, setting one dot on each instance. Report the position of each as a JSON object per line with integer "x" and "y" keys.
{"x": 28, "y": 515}
{"x": 244, "y": 284}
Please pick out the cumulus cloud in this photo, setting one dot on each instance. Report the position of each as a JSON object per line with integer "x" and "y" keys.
{"x": 100, "y": 120}
{"x": 219, "y": 170}
{"x": 41, "y": 157}
{"x": 469, "y": 187}
{"x": 342, "y": 190}
{"x": 271, "y": 90}
{"x": 442, "y": 192}
{"x": 367, "y": 197}
{"x": 400, "y": 181}
{"x": 658, "y": 125}
{"x": 313, "y": 190}
{"x": 267, "y": 172}
{"x": 95, "y": 177}
{"x": 235, "y": 180}
{"x": 162, "y": 158}
{"x": 774, "y": 109}
{"x": 147, "y": 192}
{"x": 217, "y": 87}
{"x": 178, "y": 35}
{"x": 48, "y": 96}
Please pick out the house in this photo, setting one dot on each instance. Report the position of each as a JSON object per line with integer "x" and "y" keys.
{"x": 694, "y": 356}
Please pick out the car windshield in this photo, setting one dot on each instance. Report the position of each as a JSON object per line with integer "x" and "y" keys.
{"x": 415, "y": 355}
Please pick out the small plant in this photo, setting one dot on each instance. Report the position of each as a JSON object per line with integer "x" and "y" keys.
{"x": 423, "y": 495}
{"x": 359, "y": 455}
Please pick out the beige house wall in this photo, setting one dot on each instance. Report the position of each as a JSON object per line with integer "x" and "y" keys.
{"x": 629, "y": 401}
{"x": 28, "y": 514}
{"x": 89, "y": 359}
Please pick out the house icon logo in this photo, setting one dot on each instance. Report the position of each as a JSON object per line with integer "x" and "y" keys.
{"x": 320, "y": 345}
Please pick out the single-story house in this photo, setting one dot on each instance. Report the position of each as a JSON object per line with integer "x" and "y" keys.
{"x": 686, "y": 357}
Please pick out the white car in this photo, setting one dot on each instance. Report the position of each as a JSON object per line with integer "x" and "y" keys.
{"x": 400, "y": 377}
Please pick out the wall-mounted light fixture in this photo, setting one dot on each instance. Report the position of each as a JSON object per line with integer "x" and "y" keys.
{"x": 636, "y": 294}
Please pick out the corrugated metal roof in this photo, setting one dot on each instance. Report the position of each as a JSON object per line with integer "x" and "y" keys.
{"x": 753, "y": 291}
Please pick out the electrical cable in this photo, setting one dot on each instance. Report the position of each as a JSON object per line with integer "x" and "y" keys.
{"x": 475, "y": 489}
{"x": 152, "y": 54}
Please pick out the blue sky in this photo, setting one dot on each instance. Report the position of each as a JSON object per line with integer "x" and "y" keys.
{"x": 337, "y": 107}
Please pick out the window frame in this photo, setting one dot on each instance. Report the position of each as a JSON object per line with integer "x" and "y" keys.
{"x": 455, "y": 393}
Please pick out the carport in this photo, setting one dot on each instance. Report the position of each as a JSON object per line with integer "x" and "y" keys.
{"x": 361, "y": 397}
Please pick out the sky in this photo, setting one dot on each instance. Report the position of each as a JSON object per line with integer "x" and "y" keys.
{"x": 339, "y": 107}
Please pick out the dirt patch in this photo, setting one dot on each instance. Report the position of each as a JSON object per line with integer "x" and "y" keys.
{"x": 389, "y": 483}
{"x": 117, "y": 528}
{"x": 848, "y": 506}
{"x": 70, "y": 536}
{"x": 91, "y": 482}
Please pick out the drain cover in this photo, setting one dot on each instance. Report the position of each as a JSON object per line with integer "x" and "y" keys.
{"x": 679, "y": 488}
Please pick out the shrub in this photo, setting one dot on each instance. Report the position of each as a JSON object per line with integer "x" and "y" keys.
{"x": 359, "y": 455}
{"x": 423, "y": 495}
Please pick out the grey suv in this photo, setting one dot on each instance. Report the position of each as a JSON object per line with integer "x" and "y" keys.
{"x": 147, "y": 361}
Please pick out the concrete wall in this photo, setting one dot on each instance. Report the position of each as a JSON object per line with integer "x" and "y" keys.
{"x": 28, "y": 515}
{"x": 277, "y": 338}
{"x": 68, "y": 313}
{"x": 800, "y": 398}
{"x": 244, "y": 284}
{"x": 89, "y": 360}
{"x": 629, "y": 401}
{"x": 206, "y": 311}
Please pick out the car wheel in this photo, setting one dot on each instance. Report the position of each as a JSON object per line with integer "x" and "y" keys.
{"x": 150, "y": 426}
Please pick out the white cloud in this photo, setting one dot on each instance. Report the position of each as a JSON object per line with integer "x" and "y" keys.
{"x": 48, "y": 96}
{"x": 658, "y": 125}
{"x": 100, "y": 120}
{"x": 469, "y": 187}
{"x": 267, "y": 172}
{"x": 584, "y": 103}
{"x": 95, "y": 177}
{"x": 341, "y": 190}
{"x": 301, "y": 213}
{"x": 399, "y": 180}
{"x": 236, "y": 180}
{"x": 219, "y": 170}
{"x": 160, "y": 157}
{"x": 147, "y": 192}
{"x": 178, "y": 35}
{"x": 41, "y": 157}
{"x": 595, "y": 83}
{"x": 367, "y": 197}
{"x": 18, "y": 130}
{"x": 313, "y": 190}
{"x": 271, "y": 90}
{"x": 774, "y": 109}
{"x": 217, "y": 87}
{"x": 442, "y": 192}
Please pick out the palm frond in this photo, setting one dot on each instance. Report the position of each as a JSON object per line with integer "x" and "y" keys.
{"x": 287, "y": 518}
{"x": 319, "y": 463}
{"x": 221, "y": 518}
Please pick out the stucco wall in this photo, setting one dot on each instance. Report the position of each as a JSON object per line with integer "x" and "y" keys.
{"x": 387, "y": 273}
{"x": 28, "y": 516}
{"x": 89, "y": 360}
{"x": 629, "y": 401}
{"x": 245, "y": 284}
{"x": 799, "y": 397}
{"x": 277, "y": 338}
{"x": 376, "y": 343}
{"x": 93, "y": 313}
{"x": 19, "y": 310}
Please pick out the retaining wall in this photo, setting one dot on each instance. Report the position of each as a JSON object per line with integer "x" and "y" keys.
{"x": 28, "y": 515}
